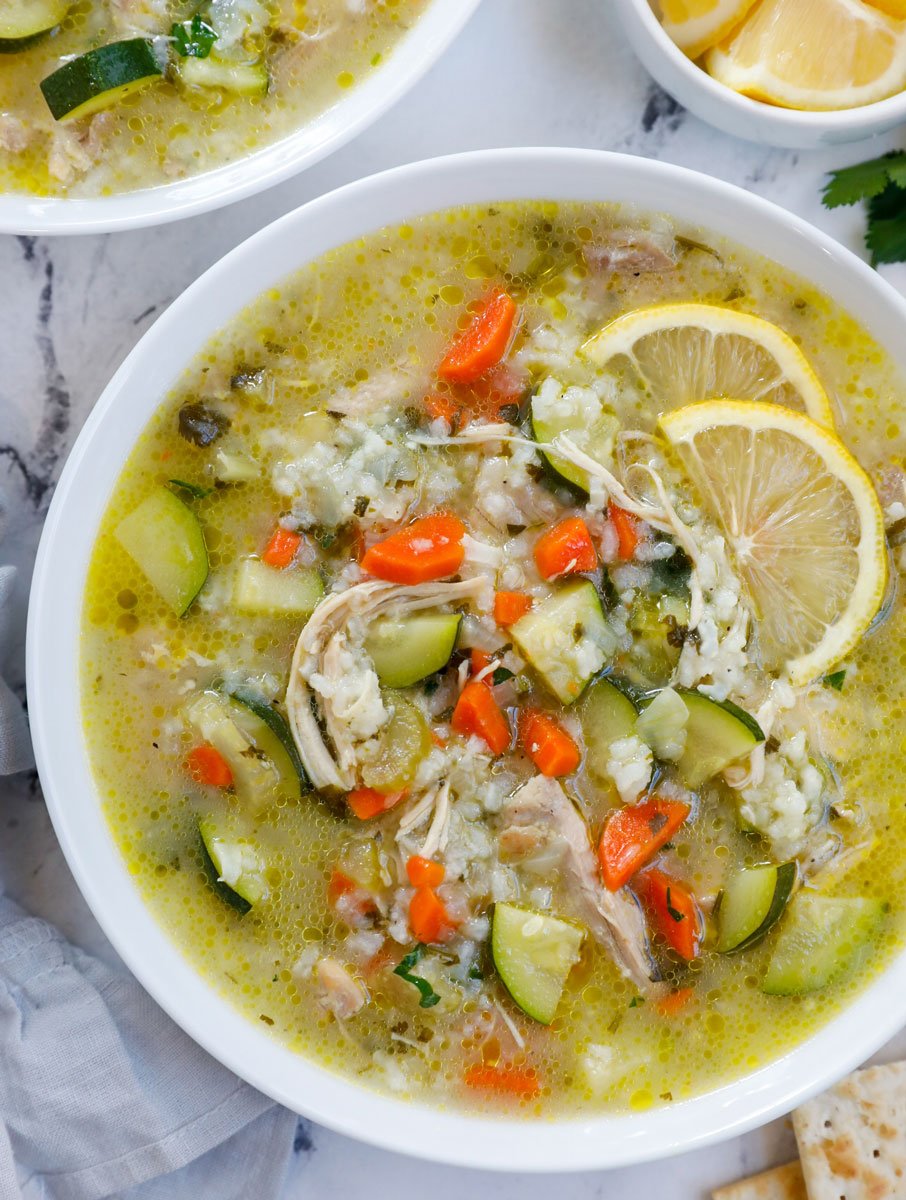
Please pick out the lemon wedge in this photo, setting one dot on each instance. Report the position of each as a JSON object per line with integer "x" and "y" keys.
{"x": 814, "y": 54}
{"x": 696, "y": 25}
{"x": 893, "y": 8}
{"x": 802, "y": 522}
{"x": 689, "y": 352}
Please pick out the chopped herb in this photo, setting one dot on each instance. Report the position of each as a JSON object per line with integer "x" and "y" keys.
{"x": 196, "y": 492}
{"x": 615, "y": 1023}
{"x": 515, "y": 530}
{"x": 201, "y": 425}
{"x": 501, "y": 675}
{"x": 671, "y": 575}
{"x": 509, "y": 413}
{"x": 193, "y": 39}
{"x": 674, "y": 913}
{"x": 247, "y": 379}
{"x": 636, "y": 1001}
{"x": 404, "y": 969}
{"x": 431, "y": 684}
{"x": 266, "y": 1019}
{"x": 835, "y": 680}
{"x": 881, "y": 183}
{"x": 475, "y": 971}
{"x": 668, "y": 1096}
{"x": 361, "y": 506}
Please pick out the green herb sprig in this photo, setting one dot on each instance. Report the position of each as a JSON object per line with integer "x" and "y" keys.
{"x": 193, "y": 39}
{"x": 404, "y": 969}
{"x": 881, "y": 184}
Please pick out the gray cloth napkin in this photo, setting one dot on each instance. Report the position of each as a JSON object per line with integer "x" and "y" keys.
{"x": 101, "y": 1094}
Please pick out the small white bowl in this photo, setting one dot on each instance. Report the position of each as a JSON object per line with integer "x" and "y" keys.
{"x": 415, "y": 53}
{"x": 719, "y": 105}
{"x": 128, "y": 403}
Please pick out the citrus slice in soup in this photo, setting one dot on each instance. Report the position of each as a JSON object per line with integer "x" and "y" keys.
{"x": 802, "y": 521}
{"x": 689, "y": 352}
{"x": 813, "y": 54}
{"x": 696, "y": 25}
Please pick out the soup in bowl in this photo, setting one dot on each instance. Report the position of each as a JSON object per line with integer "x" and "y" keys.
{"x": 487, "y": 661}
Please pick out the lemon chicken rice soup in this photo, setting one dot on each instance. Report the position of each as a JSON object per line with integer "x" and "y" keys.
{"x": 492, "y": 660}
{"x": 106, "y": 96}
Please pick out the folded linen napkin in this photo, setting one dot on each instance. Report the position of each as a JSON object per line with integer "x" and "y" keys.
{"x": 101, "y": 1094}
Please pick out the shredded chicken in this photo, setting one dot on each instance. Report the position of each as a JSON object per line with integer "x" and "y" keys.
{"x": 540, "y": 815}
{"x": 14, "y": 136}
{"x": 77, "y": 147}
{"x": 631, "y": 252}
{"x": 339, "y": 993}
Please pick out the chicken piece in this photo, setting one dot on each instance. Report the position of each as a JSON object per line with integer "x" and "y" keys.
{"x": 539, "y": 818}
{"x": 338, "y": 992}
{"x": 14, "y": 135}
{"x": 631, "y": 252}
{"x": 75, "y": 148}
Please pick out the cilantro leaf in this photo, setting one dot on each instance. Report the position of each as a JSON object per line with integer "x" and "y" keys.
{"x": 865, "y": 180}
{"x": 404, "y": 969}
{"x": 193, "y": 39}
{"x": 501, "y": 675}
{"x": 886, "y": 235}
{"x": 196, "y": 492}
{"x": 834, "y": 680}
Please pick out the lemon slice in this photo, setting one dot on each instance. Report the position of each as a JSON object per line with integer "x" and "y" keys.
{"x": 814, "y": 54}
{"x": 802, "y": 522}
{"x": 696, "y": 25}
{"x": 690, "y": 352}
{"x": 893, "y": 8}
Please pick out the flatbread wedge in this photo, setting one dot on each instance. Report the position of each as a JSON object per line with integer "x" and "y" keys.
{"x": 852, "y": 1138}
{"x": 781, "y": 1183}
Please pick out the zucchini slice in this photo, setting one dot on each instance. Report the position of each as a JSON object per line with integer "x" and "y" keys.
{"x": 235, "y": 868}
{"x": 752, "y": 903}
{"x": 407, "y": 650}
{"x": 717, "y": 734}
{"x": 595, "y": 437}
{"x": 607, "y": 715}
{"x": 100, "y": 78}
{"x": 277, "y": 724}
{"x": 566, "y": 638}
{"x": 242, "y": 79}
{"x": 259, "y": 589}
{"x": 818, "y": 941}
{"x": 533, "y": 954}
{"x": 23, "y": 20}
{"x": 165, "y": 539}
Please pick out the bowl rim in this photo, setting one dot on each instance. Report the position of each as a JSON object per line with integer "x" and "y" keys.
{"x": 411, "y": 58}
{"x": 866, "y": 118}
{"x": 53, "y": 635}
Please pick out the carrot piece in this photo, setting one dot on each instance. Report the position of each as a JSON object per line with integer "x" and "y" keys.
{"x": 565, "y": 549}
{"x": 484, "y": 341}
{"x": 366, "y": 802}
{"x": 478, "y": 660}
{"x": 441, "y": 407}
{"x": 634, "y": 834}
{"x": 477, "y": 713}
{"x": 348, "y": 898}
{"x": 511, "y": 1081}
{"x": 428, "y": 917}
{"x": 510, "y": 606}
{"x": 674, "y": 1002}
{"x": 438, "y": 741}
{"x": 423, "y": 872}
{"x": 430, "y": 548}
{"x": 627, "y": 531}
{"x": 675, "y": 913}
{"x": 548, "y": 744}
{"x": 208, "y": 766}
{"x": 281, "y": 549}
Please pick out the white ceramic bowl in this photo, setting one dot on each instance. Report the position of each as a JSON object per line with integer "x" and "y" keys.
{"x": 53, "y": 647}
{"x": 415, "y": 53}
{"x": 739, "y": 115}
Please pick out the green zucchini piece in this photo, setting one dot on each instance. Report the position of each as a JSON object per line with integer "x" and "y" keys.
{"x": 818, "y": 941}
{"x": 23, "y": 20}
{"x": 242, "y": 79}
{"x": 409, "y": 649}
{"x": 259, "y": 589}
{"x": 752, "y": 902}
{"x": 404, "y": 741}
{"x": 595, "y": 439}
{"x": 607, "y": 714}
{"x": 276, "y": 723}
{"x": 100, "y": 78}
{"x": 655, "y": 622}
{"x": 533, "y": 954}
{"x": 566, "y": 639}
{"x": 165, "y": 539}
{"x": 718, "y": 733}
{"x": 234, "y": 868}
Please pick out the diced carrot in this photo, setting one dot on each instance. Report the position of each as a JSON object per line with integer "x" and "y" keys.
{"x": 428, "y": 917}
{"x": 548, "y": 744}
{"x": 366, "y": 802}
{"x": 423, "y": 872}
{"x": 438, "y": 741}
{"x": 281, "y": 549}
{"x": 351, "y": 901}
{"x": 476, "y": 712}
{"x": 510, "y": 606}
{"x": 634, "y": 834}
{"x": 565, "y": 549}
{"x": 484, "y": 341}
{"x": 627, "y": 531}
{"x": 508, "y": 1080}
{"x": 208, "y": 766}
{"x": 674, "y": 911}
{"x": 674, "y": 1002}
{"x": 428, "y": 549}
{"x": 478, "y": 660}
{"x": 443, "y": 407}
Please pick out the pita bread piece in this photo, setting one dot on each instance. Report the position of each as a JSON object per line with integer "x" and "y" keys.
{"x": 852, "y": 1139}
{"x": 782, "y": 1183}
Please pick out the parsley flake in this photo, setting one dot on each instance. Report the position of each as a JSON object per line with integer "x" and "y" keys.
{"x": 404, "y": 969}
{"x": 193, "y": 39}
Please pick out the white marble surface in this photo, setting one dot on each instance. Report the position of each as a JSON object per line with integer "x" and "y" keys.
{"x": 525, "y": 72}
